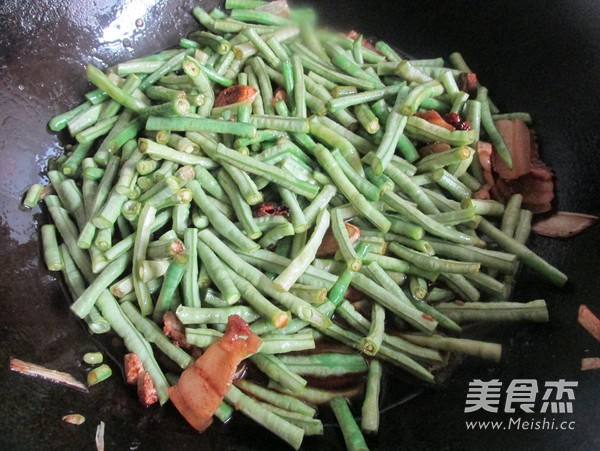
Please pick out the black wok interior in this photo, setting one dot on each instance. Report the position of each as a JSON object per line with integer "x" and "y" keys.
{"x": 540, "y": 57}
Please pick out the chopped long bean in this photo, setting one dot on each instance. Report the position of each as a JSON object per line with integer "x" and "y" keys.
{"x": 369, "y": 421}
{"x": 535, "y": 311}
{"x": 210, "y": 315}
{"x": 171, "y": 281}
{"x": 277, "y": 371}
{"x": 287, "y": 431}
{"x": 239, "y": 204}
{"x": 52, "y": 254}
{"x": 262, "y": 305}
{"x": 372, "y": 341}
{"x": 272, "y": 173}
{"x": 433, "y": 227}
{"x": 142, "y": 238}
{"x": 350, "y": 430}
{"x": 356, "y": 199}
{"x": 525, "y": 255}
{"x": 275, "y": 398}
{"x": 219, "y": 220}
{"x": 218, "y": 274}
{"x": 191, "y": 292}
{"x": 340, "y": 232}
{"x": 486, "y": 350}
{"x": 433, "y": 264}
{"x": 84, "y": 303}
{"x": 286, "y": 279}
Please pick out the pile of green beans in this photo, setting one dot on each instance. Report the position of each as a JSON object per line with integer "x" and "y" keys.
{"x": 153, "y": 211}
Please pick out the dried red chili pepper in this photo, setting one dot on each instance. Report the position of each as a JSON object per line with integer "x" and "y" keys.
{"x": 271, "y": 209}
{"x": 456, "y": 121}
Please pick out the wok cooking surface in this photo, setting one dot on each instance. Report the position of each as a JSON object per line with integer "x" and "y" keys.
{"x": 540, "y": 57}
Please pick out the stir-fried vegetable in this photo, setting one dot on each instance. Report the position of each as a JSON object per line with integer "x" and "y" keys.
{"x": 266, "y": 169}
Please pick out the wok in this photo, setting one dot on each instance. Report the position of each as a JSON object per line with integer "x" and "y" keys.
{"x": 540, "y": 57}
